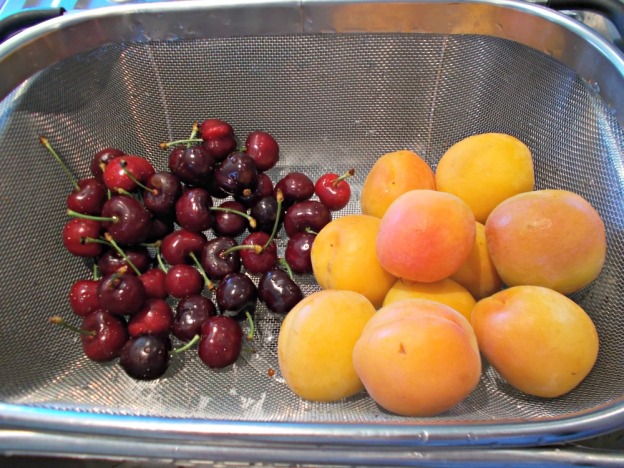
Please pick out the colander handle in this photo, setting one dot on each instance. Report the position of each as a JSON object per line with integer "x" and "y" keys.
{"x": 14, "y": 23}
{"x": 612, "y": 9}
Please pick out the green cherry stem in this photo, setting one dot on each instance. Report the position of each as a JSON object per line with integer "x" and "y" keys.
{"x": 257, "y": 248}
{"x": 346, "y": 175}
{"x": 169, "y": 144}
{"x": 75, "y": 214}
{"x": 194, "y": 131}
{"x": 123, "y": 164}
{"x": 109, "y": 241}
{"x": 310, "y": 231}
{"x": 252, "y": 328}
{"x": 284, "y": 263}
{"x": 209, "y": 283}
{"x": 56, "y": 320}
{"x": 279, "y": 196}
{"x": 44, "y": 141}
{"x": 251, "y": 219}
{"x": 187, "y": 346}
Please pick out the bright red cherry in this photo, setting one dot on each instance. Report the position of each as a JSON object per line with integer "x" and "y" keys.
{"x": 83, "y": 297}
{"x": 154, "y": 318}
{"x": 123, "y": 172}
{"x": 183, "y": 280}
{"x": 154, "y": 283}
{"x": 75, "y": 233}
{"x": 333, "y": 190}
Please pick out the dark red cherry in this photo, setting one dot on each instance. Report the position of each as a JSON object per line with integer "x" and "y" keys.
{"x": 123, "y": 172}
{"x": 154, "y": 283}
{"x": 101, "y": 159}
{"x": 216, "y": 262}
{"x": 227, "y": 221}
{"x": 278, "y": 291}
{"x": 266, "y": 212}
{"x": 193, "y": 210}
{"x": 111, "y": 260}
{"x": 130, "y": 223}
{"x": 221, "y": 342}
{"x": 76, "y": 231}
{"x": 236, "y": 295}
{"x": 183, "y": 280}
{"x": 154, "y": 318}
{"x": 160, "y": 226}
{"x": 177, "y": 246}
{"x": 333, "y": 190}
{"x": 309, "y": 214}
{"x": 164, "y": 190}
{"x": 237, "y": 174}
{"x": 259, "y": 262}
{"x": 121, "y": 294}
{"x": 109, "y": 336}
{"x": 263, "y": 189}
{"x": 263, "y": 148}
{"x": 193, "y": 165}
{"x": 296, "y": 187}
{"x": 83, "y": 297}
{"x": 146, "y": 357}
{"x": 89, "y": 198}
{"x": 219, "y": 148}
{"x": 191, "y": 313}
{"x": 297, "y": 252}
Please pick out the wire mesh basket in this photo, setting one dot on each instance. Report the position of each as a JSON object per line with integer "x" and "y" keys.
{"x": 338, "y": 84}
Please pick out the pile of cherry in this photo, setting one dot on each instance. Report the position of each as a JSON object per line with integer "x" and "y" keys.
{"x": 167, "y": 266}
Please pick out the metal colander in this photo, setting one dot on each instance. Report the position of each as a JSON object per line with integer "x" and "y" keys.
{"x": 333, "y": 100}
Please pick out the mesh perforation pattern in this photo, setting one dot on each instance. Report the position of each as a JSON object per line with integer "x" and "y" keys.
{"x": 333, "y": 102}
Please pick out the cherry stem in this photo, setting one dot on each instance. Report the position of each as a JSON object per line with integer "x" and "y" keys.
{"x": 96, "y": 273}
{"x": 109, "y": 241}
{"x": 258, "y": 248}
{"x": 252, "y": 328}
{"x": 123, "y": 164}
{"x": 44, "y": 141}
{"x": 310, "y": 231}
{"x": 209, "y": 283}
{"x": 284, "y": 263}
{"x": 169, "y": 144}
{"x": 346, "y": 175}
{"x": 194, "y": 131}
{"x": 251, "y": 219}
{"x": 120, "y": 251}
{"x": 187, "y": 346}
{"x": 75, "y": 214}
{"x": 56, "y": 320}
{"x": 161, "y": 264}
{"x": 279, "y": 196}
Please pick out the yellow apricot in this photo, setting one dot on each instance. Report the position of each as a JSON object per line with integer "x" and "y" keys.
{"x": 550, "y": 238}
{"x": 425, "y": 236}
{"x": 478, "y": 273}
{"x": 485, "y": 169}
{"x": 392, "y": 175}
{"x": 540, "y": 341}
{"x": 445, "y": 291}
{"x": 417, "y": 357}
{"x": 343, "y": 257}
{"x": 315, "y": 344}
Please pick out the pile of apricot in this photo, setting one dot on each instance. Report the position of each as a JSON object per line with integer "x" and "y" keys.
{"x": 443, "y": 268}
